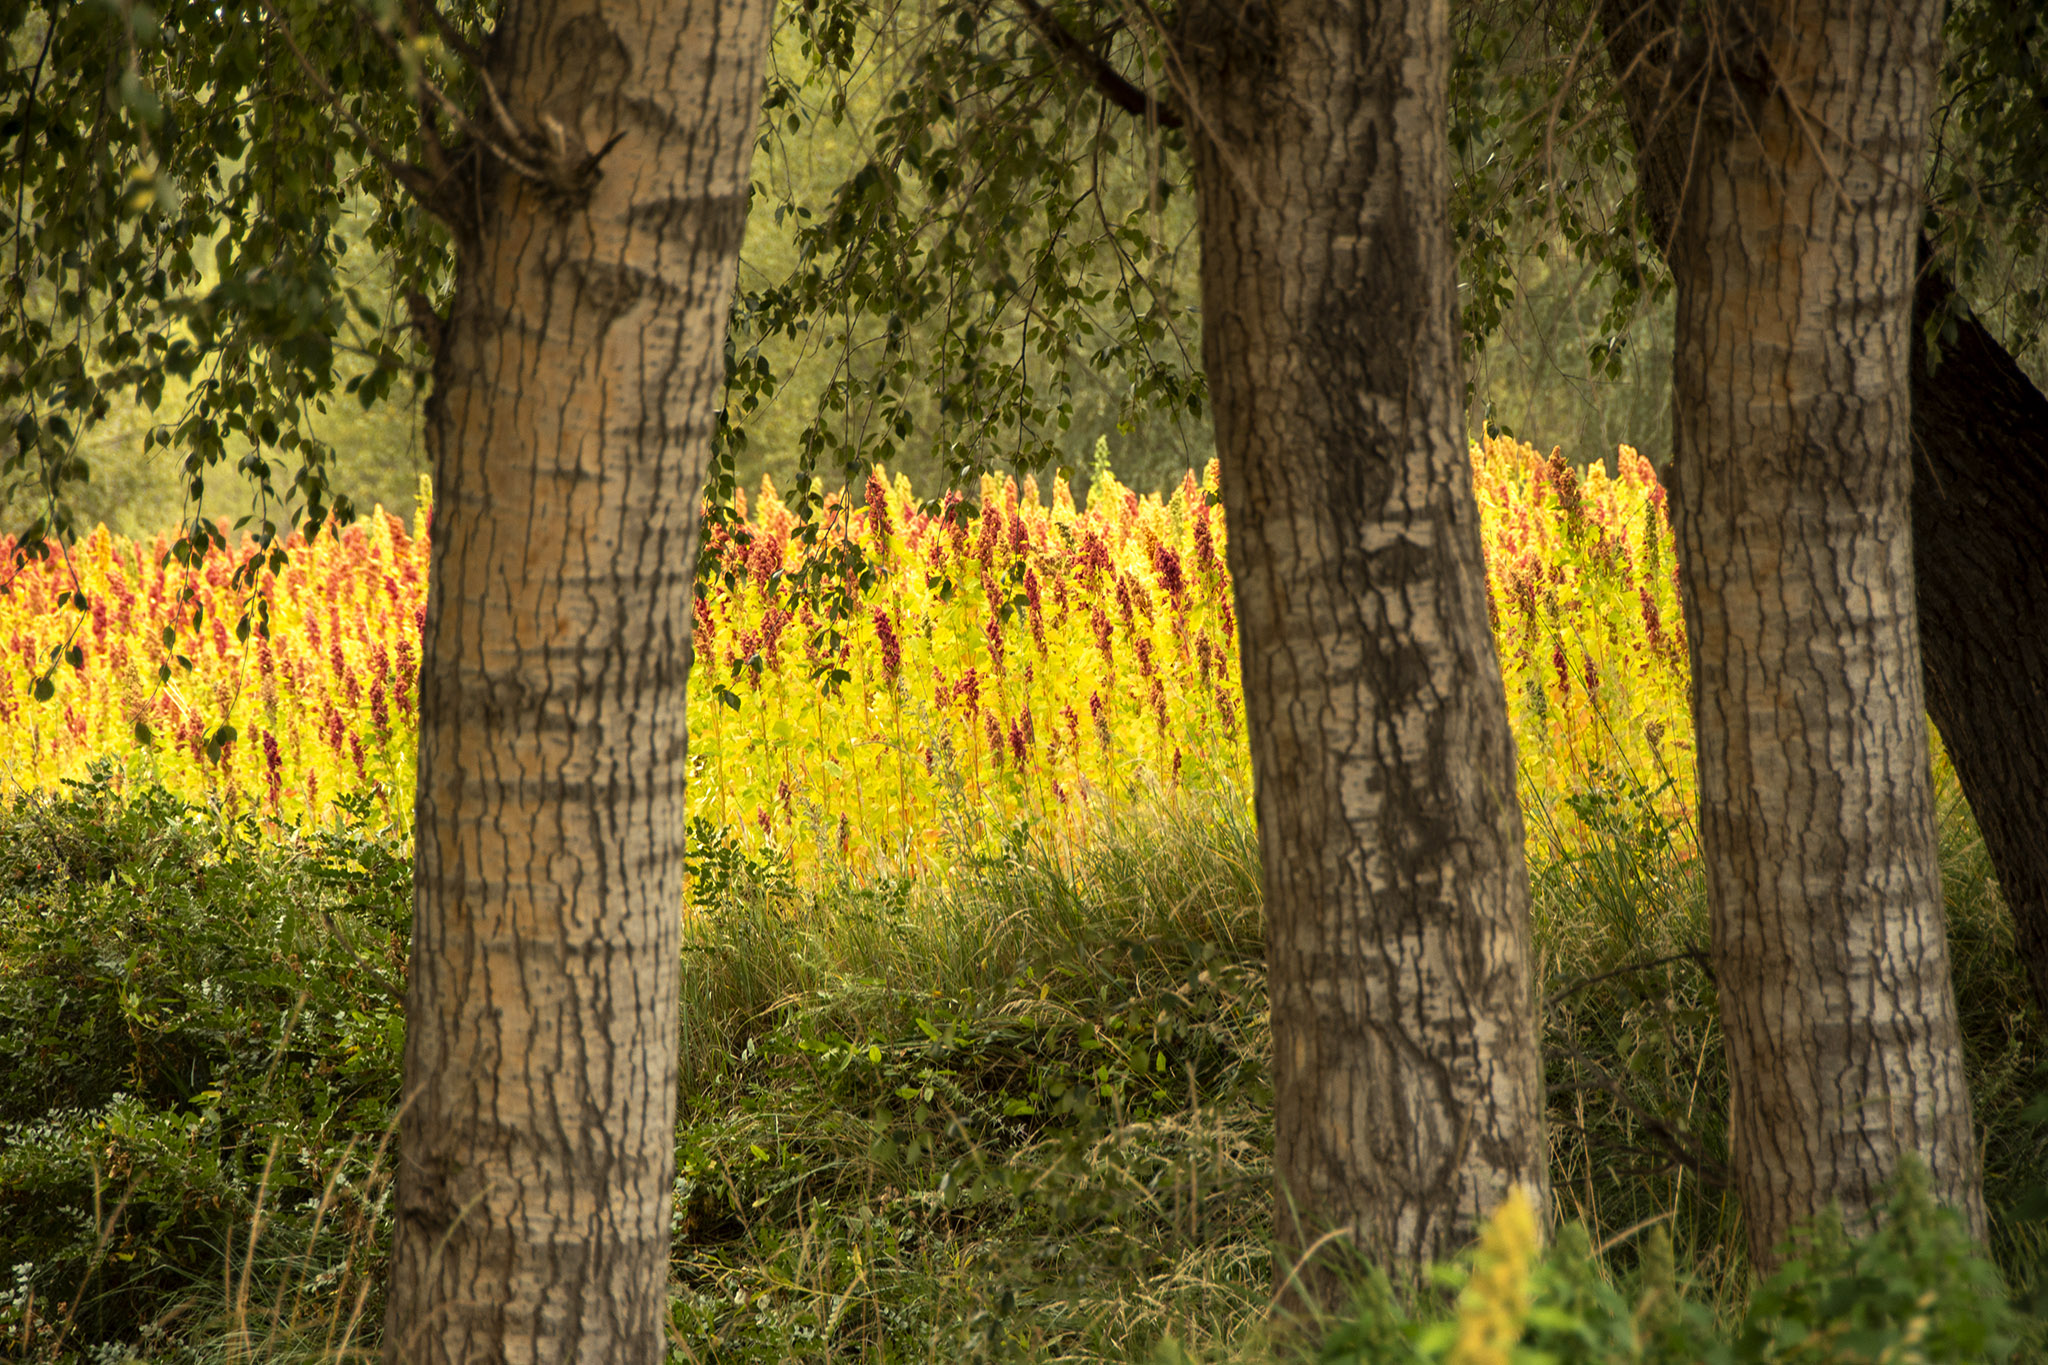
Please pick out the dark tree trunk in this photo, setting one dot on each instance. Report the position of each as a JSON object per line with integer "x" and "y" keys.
{"x": 1407, "y": 1091}
{"x": 570, "y": 431}
{"x": 1980, "y": 563}
{"x": 1980, "y": 516}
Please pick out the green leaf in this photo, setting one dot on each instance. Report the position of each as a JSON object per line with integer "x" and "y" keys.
{"x": 141, "y": 100}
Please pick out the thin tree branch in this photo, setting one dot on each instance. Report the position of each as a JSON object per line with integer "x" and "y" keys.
{"x": 1697, "y": 956}
{"x": 1674, "y": 1140}
{"x": 467, "y": 127}
{"x": 1111, "y": 82}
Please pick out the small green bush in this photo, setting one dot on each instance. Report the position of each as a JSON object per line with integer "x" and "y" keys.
{"x": 1916, "y": 1290}
{"x": 200, "y": 1033}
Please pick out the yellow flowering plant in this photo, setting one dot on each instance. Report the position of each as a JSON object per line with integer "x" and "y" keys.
{"x": 1021, "y": 673}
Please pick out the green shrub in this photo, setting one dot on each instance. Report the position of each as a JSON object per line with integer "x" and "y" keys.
{"x": 1914, "y": 1291}
{"x": 200, "y": 1033}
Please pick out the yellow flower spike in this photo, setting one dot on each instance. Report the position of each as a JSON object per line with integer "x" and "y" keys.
{"x": 1495, "y": 1305}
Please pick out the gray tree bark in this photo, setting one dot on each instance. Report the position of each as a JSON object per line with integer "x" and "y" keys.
{"x": 1793, "y": 254}
{"x": 569, "y": 429}
{"x": 1407, "y": 1087}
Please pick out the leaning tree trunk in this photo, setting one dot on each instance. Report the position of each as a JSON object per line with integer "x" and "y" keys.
{"x": 1793, "y": 258}
{"x": 1980, "y": 524}
{"x": 570, "y": 431}
{"x": 1980, "y": 499}
{"x": 1407, "y": 1092}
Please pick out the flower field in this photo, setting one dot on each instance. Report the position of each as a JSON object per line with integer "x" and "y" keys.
{"x": 954, "y": 685}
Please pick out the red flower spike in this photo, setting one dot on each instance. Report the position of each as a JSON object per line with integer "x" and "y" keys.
{"x": 892, "y": 648}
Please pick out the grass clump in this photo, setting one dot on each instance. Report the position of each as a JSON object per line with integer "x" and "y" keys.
{"x": 1025, "y": 1114}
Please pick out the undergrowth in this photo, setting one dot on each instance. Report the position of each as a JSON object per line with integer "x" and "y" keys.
{"x": 1023, "y": 1117}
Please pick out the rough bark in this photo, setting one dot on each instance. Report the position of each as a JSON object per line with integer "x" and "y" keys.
{"x": 569, "y": 431}
{"x": 1792, "y": 253}
{"x": 1980, "y": 499}
{"x": 1407, "y": 1092}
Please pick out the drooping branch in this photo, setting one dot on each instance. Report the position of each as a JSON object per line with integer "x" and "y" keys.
{"x": 1115, "y": 87}
{"x": 414, "y": 178}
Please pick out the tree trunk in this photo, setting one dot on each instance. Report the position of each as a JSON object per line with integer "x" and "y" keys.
{"x": 570, "y": 432}
{"x": 1980, "y": 499}
{"x": 1980, "y": 525}
{"x": 1407, "y": 1091}
{"x": 1793, "y": 257}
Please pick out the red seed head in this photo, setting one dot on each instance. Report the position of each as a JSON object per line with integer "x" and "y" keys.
{"x": 1653, "y": 621}
{"x": 773, "y": 622}
{"x": 1100, "y": 622}
{"x": 1094, "y": 557}
{"x": 985, "y": 539}
{"x": 1205, "y": 540}
{"x": 764, "y": 558}
{"x": 892, "y": 648}
{"x": 707, "y": 631}
{"x": 992, "y": 631}
{"x": 1170, "y": 578}
{"x": 878, "y": 510}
